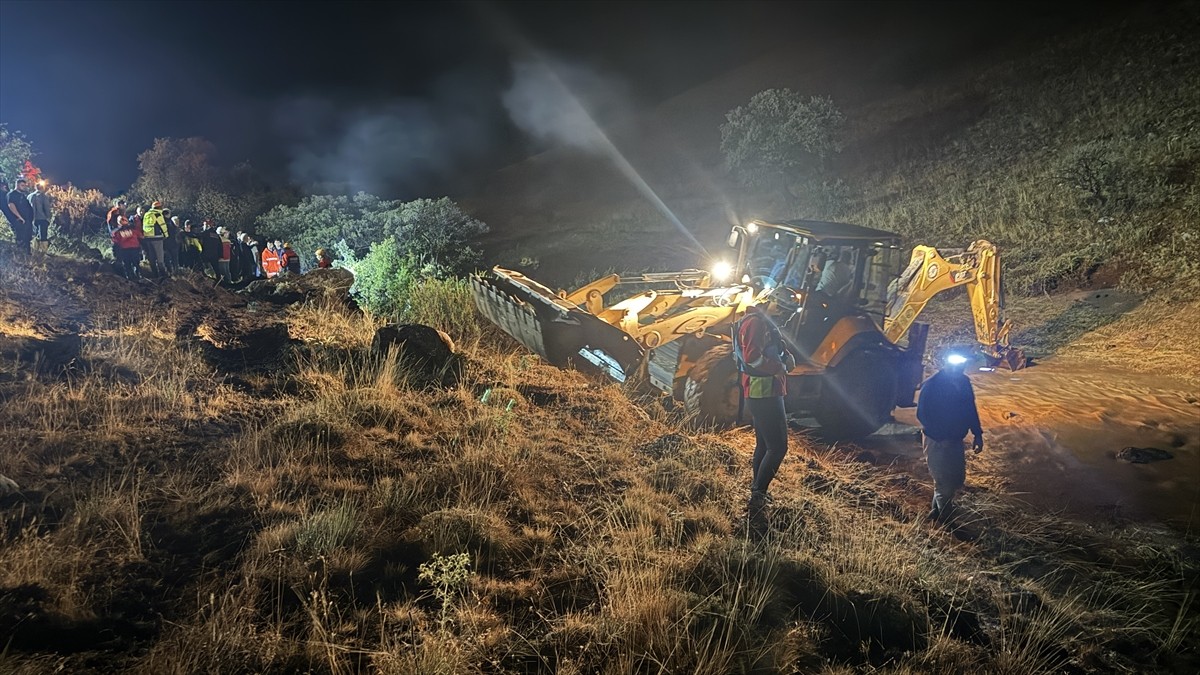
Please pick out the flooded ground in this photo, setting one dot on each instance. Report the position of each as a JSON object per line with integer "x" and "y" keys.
{"x": 1053, "y": 432}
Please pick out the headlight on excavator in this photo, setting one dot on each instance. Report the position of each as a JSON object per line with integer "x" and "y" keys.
{"x": 721, "y": 271}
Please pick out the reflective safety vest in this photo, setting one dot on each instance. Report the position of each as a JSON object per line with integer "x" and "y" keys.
{"x": 270, "y": 263}
{"x": 154, "y": 224}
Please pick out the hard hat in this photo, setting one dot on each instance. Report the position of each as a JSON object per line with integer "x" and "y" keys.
{"x": 156, "y": 205}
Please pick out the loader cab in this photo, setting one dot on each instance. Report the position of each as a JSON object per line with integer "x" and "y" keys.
{"x": 845, "y": 267}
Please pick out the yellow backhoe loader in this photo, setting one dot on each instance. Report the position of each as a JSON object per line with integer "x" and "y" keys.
{"x": 836, "y": 290}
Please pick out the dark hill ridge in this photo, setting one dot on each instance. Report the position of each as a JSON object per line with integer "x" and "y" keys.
{"x": 945, "y": 143}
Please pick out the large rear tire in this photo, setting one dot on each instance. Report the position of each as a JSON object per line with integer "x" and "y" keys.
{"x": 710, "y": 391}
{"x": 858, "y": 395}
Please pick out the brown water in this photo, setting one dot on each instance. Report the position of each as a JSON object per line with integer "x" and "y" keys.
{"x": 1052, "y": 433}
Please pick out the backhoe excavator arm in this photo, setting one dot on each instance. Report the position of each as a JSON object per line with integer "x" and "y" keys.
{"x": 929, "y": 273}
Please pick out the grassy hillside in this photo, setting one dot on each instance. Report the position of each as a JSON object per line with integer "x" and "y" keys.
{"x": 214, "y": 485}
{"x": 1076, "y": 151}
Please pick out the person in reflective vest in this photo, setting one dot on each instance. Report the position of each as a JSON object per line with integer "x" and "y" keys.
{"x": 270, "y": 260}
{"x": 154, "y": 231}
{"x": 763, "y": 361}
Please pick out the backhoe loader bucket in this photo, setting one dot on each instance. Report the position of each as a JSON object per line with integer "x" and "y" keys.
{"x": 555, "y": 329}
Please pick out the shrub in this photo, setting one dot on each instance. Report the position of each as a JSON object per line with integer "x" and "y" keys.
{"x": 435, "y": 233}
{"x": 779, "y": 136}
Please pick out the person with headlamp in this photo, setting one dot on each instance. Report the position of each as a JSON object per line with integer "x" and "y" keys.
{"x": 947, "y": 412}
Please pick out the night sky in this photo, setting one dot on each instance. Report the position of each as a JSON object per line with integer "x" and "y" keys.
{"x": 406, "y": 97}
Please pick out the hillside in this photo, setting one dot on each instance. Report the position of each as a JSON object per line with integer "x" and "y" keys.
{"x": 1074, "y": 147}
{"x": 213, "y": 482}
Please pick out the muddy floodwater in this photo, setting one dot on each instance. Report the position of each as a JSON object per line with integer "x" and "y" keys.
{"x": 1053, "y": 432}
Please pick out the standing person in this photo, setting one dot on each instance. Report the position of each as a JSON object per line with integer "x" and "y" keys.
{"x": 189, "y": 247}
{"x": 171, "y": 243}
{"x": 127, "y": 242}
{"x": 289, "y": 260}
{"x": 223, "y": 274}
{"x": 20, "y": 216}
{"x": 251, "y": 268}
{"x": 41, "y": 217}
{"x": 112, "y": 220}
{"x": 270, "y": 260}
{"x": 323, "y": 259}
{"x": 154, "y": 231}
{"x": 210, "y": 248}
{"x": 947, "y": 412}
{"x": 763, "y": 361}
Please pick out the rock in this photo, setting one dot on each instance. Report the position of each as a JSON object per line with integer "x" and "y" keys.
{"x": 1143, "y": 455}
{"x": 427, "y": 353}
{"x": 329, "y": 284}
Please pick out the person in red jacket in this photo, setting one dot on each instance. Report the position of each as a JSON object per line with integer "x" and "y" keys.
{"x": 763, "y": 361}
{"x": 127, "y": 245}
{"x": 289, "y": 260}
{"x": 323, "y": 259}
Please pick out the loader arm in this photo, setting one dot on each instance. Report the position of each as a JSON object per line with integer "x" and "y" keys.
{"x": 929, "y": 273}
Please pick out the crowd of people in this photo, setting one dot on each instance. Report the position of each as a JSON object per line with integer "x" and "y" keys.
{"x": 169, "y": 244}
{"x": 163, "y": 241}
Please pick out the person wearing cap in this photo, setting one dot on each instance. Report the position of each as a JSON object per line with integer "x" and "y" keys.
{"x": 19, "y": 212}
{"x": 41, "y": 217}
{"x": 947, "y": 412}
{"x": 154, "y": 231}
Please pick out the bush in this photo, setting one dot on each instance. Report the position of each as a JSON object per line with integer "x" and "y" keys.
{"x": 778, "y": 137}
{"x": 432, "y": 233}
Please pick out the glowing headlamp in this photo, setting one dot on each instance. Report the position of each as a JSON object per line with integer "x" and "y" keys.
{"x": 956, "y": 359}
{"x": 721, "y": 271}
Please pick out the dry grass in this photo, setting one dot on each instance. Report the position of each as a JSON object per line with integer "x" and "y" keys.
{"x": 601, "y": 538}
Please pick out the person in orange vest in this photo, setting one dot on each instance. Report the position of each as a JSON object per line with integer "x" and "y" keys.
{"x": 270, "y": 261}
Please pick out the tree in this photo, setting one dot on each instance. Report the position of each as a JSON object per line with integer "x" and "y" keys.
{"x": 779, "y": 138}
{"x": 77, "y": 212}
{"x": 434, "y": 234}
{"x": 176, "y": 171}
{"x": 15, "y": 151}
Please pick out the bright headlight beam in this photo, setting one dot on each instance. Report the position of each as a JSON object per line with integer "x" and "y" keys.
{"x": 956, "y": 359}
{"x": 721, "y": 270}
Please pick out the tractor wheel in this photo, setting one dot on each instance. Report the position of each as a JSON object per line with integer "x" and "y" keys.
{"x": 858, "y": 395}
{"x": 710, "y": 392}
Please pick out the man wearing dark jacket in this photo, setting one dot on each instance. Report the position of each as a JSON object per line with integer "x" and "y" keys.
{"x": 19, "y": 212}
{"x": 947, "y": 412}
{"x": 210, "y": 248}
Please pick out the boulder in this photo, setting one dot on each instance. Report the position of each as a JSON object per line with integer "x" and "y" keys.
{"x": 330, "y": 284}
{"x": 1143, "y": 455}
{"x": 426, "y": 353}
